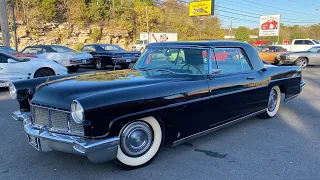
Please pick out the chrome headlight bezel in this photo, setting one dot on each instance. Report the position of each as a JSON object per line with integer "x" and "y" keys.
{"x": 77, "y": 112}
{"x": 13, "y": 91}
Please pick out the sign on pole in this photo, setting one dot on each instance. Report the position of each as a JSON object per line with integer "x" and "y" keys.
{"x": 269, "y": 25}
{"x": 201, "y": 8}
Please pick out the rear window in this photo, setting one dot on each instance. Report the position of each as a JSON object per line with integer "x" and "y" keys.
{"x": 316, "y": 41}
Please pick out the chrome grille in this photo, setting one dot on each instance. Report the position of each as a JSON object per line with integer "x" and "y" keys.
{"x": 283, "y": 57}
{"x": 56, "y": 120}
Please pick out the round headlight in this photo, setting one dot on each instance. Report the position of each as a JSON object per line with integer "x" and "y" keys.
{"x": 77, "y": 112}
{"x": 13, "y": 91}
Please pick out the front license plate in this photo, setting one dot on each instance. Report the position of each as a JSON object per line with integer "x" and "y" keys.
{"x": 84, "y": 61}
{"x": 4, "y": 85}
{"x": 34, "y": 142}
{"x": 128, "y": 60}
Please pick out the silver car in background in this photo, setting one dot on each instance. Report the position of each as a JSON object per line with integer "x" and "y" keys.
{"x": 302, "y": 59}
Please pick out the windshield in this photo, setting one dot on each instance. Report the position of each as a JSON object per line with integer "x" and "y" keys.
{"x": 111, "y": 47}
{"x": 177, "y": 60}
{"x": 316, "y": 41}
{"x": 7, "y": 50}
{"x": 314, "y": 49}
{"x": 62, "y": 49}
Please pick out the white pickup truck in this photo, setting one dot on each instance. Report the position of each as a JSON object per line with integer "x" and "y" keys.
{"x": 300, "y": 45}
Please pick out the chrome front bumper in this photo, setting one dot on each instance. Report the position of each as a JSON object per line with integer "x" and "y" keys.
{"x": 97, "y": 151}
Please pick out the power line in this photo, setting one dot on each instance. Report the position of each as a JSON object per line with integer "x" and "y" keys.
{"x": 260, "y": 15}
{"x": 263, "y": 9}
{"x": 300, "y": 2}
{"x": 276, "y": 7}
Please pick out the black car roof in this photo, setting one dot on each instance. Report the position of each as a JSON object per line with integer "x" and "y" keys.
{"x": 201, "y": 43}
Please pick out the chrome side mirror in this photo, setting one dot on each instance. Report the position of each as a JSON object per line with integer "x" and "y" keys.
{"x": 216, "y": 71}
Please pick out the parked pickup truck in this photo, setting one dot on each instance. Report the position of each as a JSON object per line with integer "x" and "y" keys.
{"x": 300, "y": 45}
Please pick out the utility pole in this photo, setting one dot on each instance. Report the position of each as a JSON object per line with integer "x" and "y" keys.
{"x": 147, "y": 17}
{"x": 4, "y": 23}
{"x": 14, "y": 25}
{"x": 200, "y": 27}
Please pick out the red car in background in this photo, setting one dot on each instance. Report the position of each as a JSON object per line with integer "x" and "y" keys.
{"x": 270, "y": 24}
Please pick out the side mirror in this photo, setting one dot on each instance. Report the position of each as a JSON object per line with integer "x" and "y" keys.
{"x": 12, "y": 61}
{"x": 216, "y": 71}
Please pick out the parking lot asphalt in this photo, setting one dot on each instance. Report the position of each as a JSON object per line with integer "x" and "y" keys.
{"x": 285, "y": 147}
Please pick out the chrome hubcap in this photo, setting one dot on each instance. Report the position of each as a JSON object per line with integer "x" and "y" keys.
{"x": 303, "y": 63}
{"x": 136, "y": 139}
{"x": 98, "y": 64}
{"x": 272, "y": 100}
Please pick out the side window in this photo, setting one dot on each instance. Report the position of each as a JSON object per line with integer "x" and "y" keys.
{"x": 298, "y": 42}
{"x": 109, "y": 48}
{"x": 88, "y": 48}
{"x": 231, "y": 60}
{"x": 308, "y": 42}
{"x": 3, "y": 58}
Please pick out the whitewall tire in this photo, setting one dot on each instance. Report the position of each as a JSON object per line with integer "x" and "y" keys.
{"x": 273, "y": 103}
{"x": 140, "y": 141}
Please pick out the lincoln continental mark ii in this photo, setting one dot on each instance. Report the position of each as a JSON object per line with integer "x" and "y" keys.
{"x": 175, "y": 92}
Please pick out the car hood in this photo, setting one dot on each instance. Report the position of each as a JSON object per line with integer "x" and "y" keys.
{"x": 61, "y": 92}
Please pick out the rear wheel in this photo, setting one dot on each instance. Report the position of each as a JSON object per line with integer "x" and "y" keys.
{"x": 140, "y": 141}
{"x": 273, "y": 103}
{"x": 73, "y": 68}
{"x": 125, "y": 66}
{"x": 302, "y": 62}
{"x": 99, "y": 64}
{"x": 43, "y": 73}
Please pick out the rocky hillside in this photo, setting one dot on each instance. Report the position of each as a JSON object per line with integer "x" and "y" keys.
{"x": 70, "y": 35}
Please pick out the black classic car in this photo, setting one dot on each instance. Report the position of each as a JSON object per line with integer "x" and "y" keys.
{"x": 126, "y": 115}
{"x": 110, "y": 54}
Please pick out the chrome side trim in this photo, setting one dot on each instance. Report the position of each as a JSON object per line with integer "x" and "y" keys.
{"x": 199, "y": 134}
{"x": 289, "y": 98}
{"x": 302, "y": 83}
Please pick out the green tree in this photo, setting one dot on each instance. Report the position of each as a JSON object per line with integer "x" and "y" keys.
{"x": 299, "y": 35}
{"x": 76, "y": 11}
{"x": 242, "y": 34}
{"x": 48, "y": 9}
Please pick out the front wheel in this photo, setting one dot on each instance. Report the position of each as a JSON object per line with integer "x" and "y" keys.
{"x": 43, "y": 73}
{"x": 302, "y": 62}
{"x": 273, "y": 103}
{"x": 140, "y": 141}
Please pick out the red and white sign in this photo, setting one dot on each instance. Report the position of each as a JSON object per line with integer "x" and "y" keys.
{"x": 269, "y": 25}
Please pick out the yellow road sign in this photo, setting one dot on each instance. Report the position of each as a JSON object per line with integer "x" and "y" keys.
{"x": 200, "y": 8}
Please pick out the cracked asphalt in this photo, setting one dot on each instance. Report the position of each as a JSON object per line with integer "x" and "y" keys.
{"x": 286, "y": 147}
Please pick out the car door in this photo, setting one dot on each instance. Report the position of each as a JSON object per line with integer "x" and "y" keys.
{"x": 232, "y": 88}
{"x": 317, "y": 56}
{"x": 11, "y": 71}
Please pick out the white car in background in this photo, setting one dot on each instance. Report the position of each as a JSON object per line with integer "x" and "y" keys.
{"x": 63, "y": 55}
{"x": 13, "y": 68}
